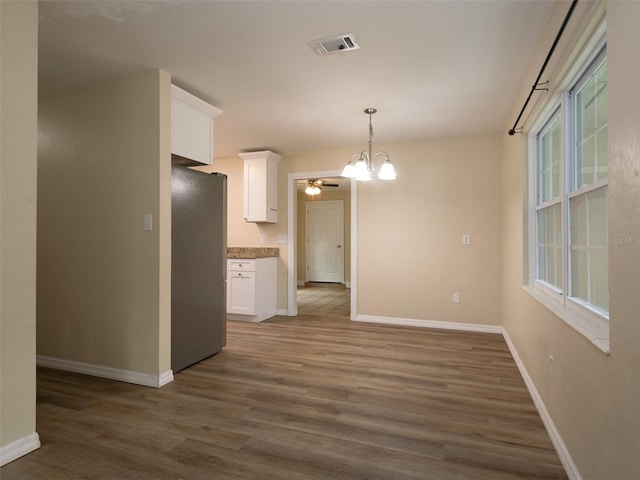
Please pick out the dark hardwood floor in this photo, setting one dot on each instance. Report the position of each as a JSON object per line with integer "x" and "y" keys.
{"x": 302, "y": 398}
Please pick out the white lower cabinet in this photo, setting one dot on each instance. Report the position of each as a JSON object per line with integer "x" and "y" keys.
{"x": 241, "y": 293}
{"x": 251, "y": 289}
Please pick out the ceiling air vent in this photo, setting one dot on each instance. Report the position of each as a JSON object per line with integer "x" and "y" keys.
{"x": 329, "y": 45}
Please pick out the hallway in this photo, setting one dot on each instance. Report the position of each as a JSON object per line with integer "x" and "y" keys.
{"x": 324, "y": 299}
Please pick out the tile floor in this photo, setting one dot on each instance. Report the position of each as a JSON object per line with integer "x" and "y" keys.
{"x": 326, "y": 300}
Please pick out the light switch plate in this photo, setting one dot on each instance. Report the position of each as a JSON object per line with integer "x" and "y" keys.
{"x": 148, "y": 222}
{"x": 282, "y": 239}
{"x": 466, "y": 239}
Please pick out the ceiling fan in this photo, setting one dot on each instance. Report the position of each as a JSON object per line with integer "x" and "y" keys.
{"x": 314, "y": 186}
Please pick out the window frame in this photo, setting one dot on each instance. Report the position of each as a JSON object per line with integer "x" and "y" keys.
{"x": 588, "y": 320}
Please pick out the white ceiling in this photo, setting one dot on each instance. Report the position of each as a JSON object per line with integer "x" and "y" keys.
{"x": 431, "y": 68}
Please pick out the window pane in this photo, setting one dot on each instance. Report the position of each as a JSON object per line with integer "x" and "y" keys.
{"x": 541, "y": 257}
{"x": 579, "y": 269}
{"x": 556, "y": 155}
{"x": 601, "y": 154}
{"x": 600, "y": 81}
{"x": 579, "y": 240}
{"x": 579, "y": 221}
{"x": 587, "y": 107}
{"x": 598, "y": 253}
{"x": 550, "y": 158}
{"x": 598, "y": 217}
{"x": 591, "y": 129}
{"x": 599, "y": 289}
{"x": 549, "y": 259}
{"x": 589, "y": 251}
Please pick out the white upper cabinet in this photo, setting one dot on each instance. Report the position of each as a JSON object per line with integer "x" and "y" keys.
{"x": 261, "y": 186}
{"x": 192, "y": 126}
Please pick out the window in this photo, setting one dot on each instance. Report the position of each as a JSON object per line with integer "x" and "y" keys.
{"x": 568, "y": 243}
{"x": 589, "y": 263}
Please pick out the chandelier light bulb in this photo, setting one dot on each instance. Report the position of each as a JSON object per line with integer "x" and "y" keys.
{"x": 349, "y": 170}
{"x": 387, "y": 172}
{"x": 361, "y": 169}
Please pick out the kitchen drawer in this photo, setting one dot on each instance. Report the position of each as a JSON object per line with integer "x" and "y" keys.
{"x": 238, "y": 265}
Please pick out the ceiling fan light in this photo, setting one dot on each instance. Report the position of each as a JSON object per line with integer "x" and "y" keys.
{"x": 387, "y": 172}
{"x": 312, "y": 189}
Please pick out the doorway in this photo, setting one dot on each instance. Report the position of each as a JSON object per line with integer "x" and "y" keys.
{"x": 343, "y": 293}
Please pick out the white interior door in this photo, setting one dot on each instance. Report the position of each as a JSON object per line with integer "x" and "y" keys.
{"x": 325, "y": 238}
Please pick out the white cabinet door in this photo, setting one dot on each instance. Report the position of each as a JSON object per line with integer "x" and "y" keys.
{"x": 255, "y": 191}
{"x": 241, "y": 293}
{"x": 191, "y": 133}
{"x": 192, "y": 126}
{"x": 261, "y": 186}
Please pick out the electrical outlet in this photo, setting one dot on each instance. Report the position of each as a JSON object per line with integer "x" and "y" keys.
{"x": 456, "y": 298}
{"x": 264, "y": 238}
{"x": 466, "y": 239}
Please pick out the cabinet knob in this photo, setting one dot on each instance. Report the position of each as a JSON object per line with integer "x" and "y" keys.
{"x": 339, "y": 246}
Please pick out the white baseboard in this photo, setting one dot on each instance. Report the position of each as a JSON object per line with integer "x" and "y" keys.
{"x": 164, "y": 378}
{"x": 128, "y": 376}
{"x": 282, "y": 312}
{"x": 561, "y": 449}
{"x": 347, "y": 284}
{"x": 300, "y": 283}
{"x": 19, "y": 448}
{"x": 412, "y": 322}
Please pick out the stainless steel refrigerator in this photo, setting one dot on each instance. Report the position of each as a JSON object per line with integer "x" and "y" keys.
{"x": 198, "y": 265}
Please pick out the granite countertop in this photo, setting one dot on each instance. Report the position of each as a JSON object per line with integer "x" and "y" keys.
{"x": 252, "y": 252}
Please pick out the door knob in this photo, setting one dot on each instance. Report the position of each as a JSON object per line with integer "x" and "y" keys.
{"x": 339, "y": 246}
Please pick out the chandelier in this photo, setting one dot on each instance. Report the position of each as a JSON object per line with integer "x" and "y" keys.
{"x": 363, "y": 168}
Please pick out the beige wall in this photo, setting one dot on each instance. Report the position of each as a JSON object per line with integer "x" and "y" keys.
{"x": 103, "y": 282}
{"x": 327, "y": 194}
{"x": 410, "y": 254}
{"x": 18, "y": 148}
{"x": 593, "y": 398}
